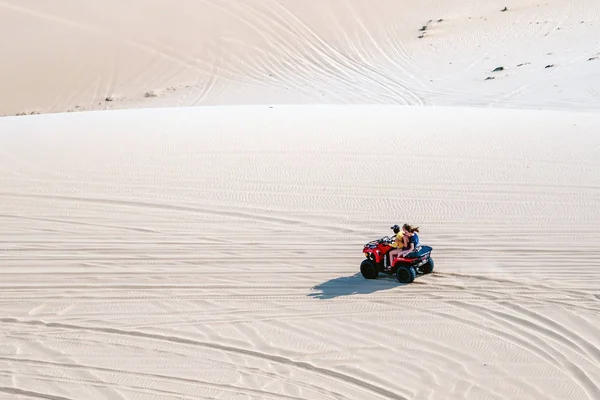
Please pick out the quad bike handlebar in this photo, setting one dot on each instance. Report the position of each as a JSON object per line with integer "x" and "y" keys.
{"x": 386, "y": 239}
{"x": 383, "y": 240}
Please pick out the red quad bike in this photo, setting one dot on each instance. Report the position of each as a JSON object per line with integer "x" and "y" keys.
{"x": 405, "y": 268}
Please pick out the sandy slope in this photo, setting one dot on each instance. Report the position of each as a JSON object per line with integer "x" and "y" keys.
{"x": 72, "y": 55}
{"x": 213, "y": 253}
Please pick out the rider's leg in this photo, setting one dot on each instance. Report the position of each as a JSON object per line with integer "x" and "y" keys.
{"x": 393, "y": 253}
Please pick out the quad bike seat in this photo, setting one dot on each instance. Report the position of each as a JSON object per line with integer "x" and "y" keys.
{"x": 420, "y": 251}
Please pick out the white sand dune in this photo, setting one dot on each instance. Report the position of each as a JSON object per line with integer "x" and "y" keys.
{"x": 73, "y": 55}
{"x": 213, "y": 252}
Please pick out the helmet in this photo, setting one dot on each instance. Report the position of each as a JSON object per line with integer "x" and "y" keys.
{"x": 395, "y": 228}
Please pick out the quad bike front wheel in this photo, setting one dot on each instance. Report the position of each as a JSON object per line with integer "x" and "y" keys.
{"x": 368, "y": 269}
{"x": 406, "y": 274}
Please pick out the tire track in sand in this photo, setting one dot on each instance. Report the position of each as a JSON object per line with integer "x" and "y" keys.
{"x": 322, "y": 47}
{"x": 31, "y": 394}
{"x": 177, "y": 379}
{"x": 303, "y": 365}
{"x": 518, "y": 331}
{"x": 173, "y": 207}
{"x": 72, "y": 366}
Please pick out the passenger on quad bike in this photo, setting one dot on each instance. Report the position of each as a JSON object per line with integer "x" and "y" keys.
{"x": 411, "y": 239}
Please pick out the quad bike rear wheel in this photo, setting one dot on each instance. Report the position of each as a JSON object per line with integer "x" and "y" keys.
{"x": 406, "y": 274}
{"x": 368, "y": 270}
{"x": 428, "y": 267}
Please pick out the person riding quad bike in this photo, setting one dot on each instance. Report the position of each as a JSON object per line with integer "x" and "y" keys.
{"x": 398, "y": 243}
